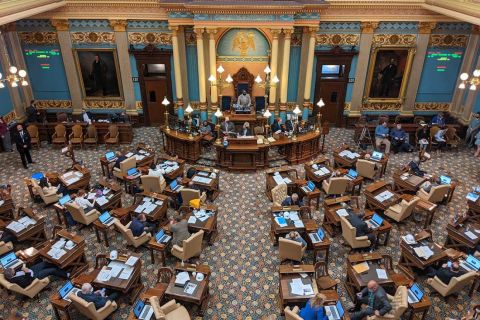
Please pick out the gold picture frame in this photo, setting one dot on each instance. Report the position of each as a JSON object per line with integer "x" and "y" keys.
{"x": 393, "y": 62}
{"x": 97, "y": 81}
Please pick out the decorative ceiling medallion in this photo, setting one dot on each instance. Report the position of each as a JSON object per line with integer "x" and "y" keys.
{"x": 93, "y": 37}
{"x": 337, "y": 39}
{"x": 38, "y": 37}
{"x": 103, "y": 104}
{"x": 53, "y": 104}
{"x": 382, "y": 106}
{"x": 398, "y": 40}
{"x": 432, "y": 106}
{"x": 448, "y": 40}
{"x": 150, "y": 38}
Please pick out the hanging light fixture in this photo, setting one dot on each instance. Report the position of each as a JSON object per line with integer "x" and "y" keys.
{"x": 473, "y": 82}
{"x": 14, "y": 76}
{"x": 320, "y": 103}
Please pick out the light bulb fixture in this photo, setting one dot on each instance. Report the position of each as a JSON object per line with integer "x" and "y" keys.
{"x": 2, "y": 85}
{"x": 22, "y": 73}
{"x": 189, "y": 109}
{"x": 165, "y": 101}
{"x": 464, "y": 76}
{"x": 258, "y": 79}
{"x": 275, "y": 79}
{"x": 472, "y": 83}
{"x": 212, "y": 78}
{"x": 218, "y": 113}
{"x": 297, "y": 110}
{"x": 267, "y": 114}
{"x": 473, "y": 87}
{"x": 229, "y": 78}
{"x": 267, "y": 69}
{"x": 24, "y": 83}
{"x": 320, "y": 103}
{"x": 14, "y": 84}
{"x": 476, "y": 73}
{"x": 220, "y": 69}
{"x": 461, "y": 85}
{"x": 13, "y": 77}
{"x": 12, "y": 69}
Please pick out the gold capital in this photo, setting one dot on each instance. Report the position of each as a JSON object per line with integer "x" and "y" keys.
{"x": 174, "y": 30}
{"x": 60, "y": 24}
{"x": 275, "y": 33}
{"x": 198, "y": 31}
{"x": 287, "y": 33}
{"x": 368, "y": 26}
{"x": 118, "y": 25}
{"x": 426, "y": 27}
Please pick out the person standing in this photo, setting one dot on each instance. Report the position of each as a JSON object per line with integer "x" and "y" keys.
{"x": 5, "y": 135}
{"x": 23, "y": 142}
{"x": 33, "y": 115}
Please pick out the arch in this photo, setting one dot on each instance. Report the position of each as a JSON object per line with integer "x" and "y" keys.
{"x": 243, "y": 42}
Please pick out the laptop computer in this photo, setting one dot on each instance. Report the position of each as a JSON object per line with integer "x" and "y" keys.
{"x": 64, "y": 200}
{"x": 66, "y": 290}
{"x": 375, "y": 222}
{"x": 309, "y": 187}
{"x": 142, "y": 311}
{"x": 162, "y": 237}
{"x": 110, "y": 156}
{"x": 335, "y": 312}
{"x": 352, "y": 174}
{"x": 445, "y": 180}
{"x": 175, "y": 186}
{"x": 470, "y": 264}
{"x": 106, "y": 218}
{"x": 377, "y": 156}
{"x": 318, "y": 236}
{"x": 10, "y": 260}
{"x": 133, "y": 172}
{"x": 415, "y": 294}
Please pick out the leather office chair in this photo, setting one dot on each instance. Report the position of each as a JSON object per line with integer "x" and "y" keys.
{"x": 292, "y": 314}
{"x": 128, "y": 235}
{"x": 455, "y": 285}
{"x": 366, "y": 168}
{"x": 290, "y": 250}
{"x": 48, "y": 198}
{"x": 79, "y": 215}
{"x": 190, "y": 194}
{"x": 34, "y": 135}
{"x": 125, "y": 165}
{"x": 31, "y": 291}
{"x": 349, "y": 233}
{"x": 153, "y": 184}
{"x": 59, "y": 137}
{"x": 433, "y": 143}
{"x": 399, "y": 304}
{"x": 279, "y": 193}
{"x": 453, "y": 140}
{"x": 88, "y": 308}
{"x": 323, "y": 279}
{"x": 169, "y": 311}
{"x": 112, "y": 136}
{"x": 335, "y": 185}
{"x": 437, "y": 194}
{"x": 76, "y": 137}
{"x": 402, "y": 210}
{"x": 5, "y": 247}
{"x": 91, "y": 137}
{"x": 192, "y": 247}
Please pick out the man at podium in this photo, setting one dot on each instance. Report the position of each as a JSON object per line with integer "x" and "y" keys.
{"x": 244, "y": 102}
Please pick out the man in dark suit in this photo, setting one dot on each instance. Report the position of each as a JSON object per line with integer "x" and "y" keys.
{"x": 33, "y": 115}
{"x": 140, "y": 224}
{"x": 372, "y": 300}
{"x": 99, "y": 297}
{"x": 294, "y": 200}
{"x": 387, "y": 78}
{"x": 24, "y": 277}
{"x": 23, "y": 142}
{"x": 289, "y": 124}
{"x": 276, "y": 125}
{"x": 361, "y": 226}
{"x": 227, "y": 126}
{"x": 446, "y": 272}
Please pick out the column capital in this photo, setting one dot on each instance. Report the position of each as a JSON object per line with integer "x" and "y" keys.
{"x": 311, "y": 30}
{"x": 198, "y": 30}
{"x": 118, "y": 25}
{"x": 8, "y": 27}
{"x": 60, "y": 24}
{"x": 287, "y": 33}
{"x": 368, "y": 26}
{"x": 275, "y": 33}
{"x": 174, "y": 30}
{"x": 426, "y": 27}
{"x": 211, "y": 31}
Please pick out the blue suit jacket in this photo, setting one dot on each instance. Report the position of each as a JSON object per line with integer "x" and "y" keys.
{"x": 137, "y": 227}
{"x": 309, "y": 313}
{"x": 97, "y": 299}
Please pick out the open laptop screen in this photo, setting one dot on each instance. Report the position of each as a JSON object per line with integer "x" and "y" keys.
{"x": 417, "y": 291}
{"x": 320, "y": 233}
{"x": 6, "y": 259}
{"x": 377, "y": 219}
{"x": 340, "y": 309}
{"x": 110, "y": 155}
{"x": 137, "y": 310}
{"x": 474, "y": 262}
{"x": 132, "y": 171}
{"x": 352, "y": 173}
{"x": 104, "y": 217}
{"x": 65, "y": 289}
{"x": 445, "y": 180}
{"x": 173, "y": 185}
{"x": 377, "y": 155}
{"x": 159, "y": 235}
{"x": 64, "y": 200}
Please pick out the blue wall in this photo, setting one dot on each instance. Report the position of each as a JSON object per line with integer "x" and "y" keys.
{"x": 6, "y": 104}
{"x": 192, "y": 72}
{"x": 353, "y": 68}
{"x": 294, "y": 73}
{"x": 46, "y": 72}
{"x": 136, "y": 85}
{"x": 314, "y": 79}
{"x": 439, "y": 75}
{"x": 476, "y": 106}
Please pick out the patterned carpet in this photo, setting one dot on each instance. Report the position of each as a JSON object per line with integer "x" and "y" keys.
{"x": 244, "y": 282}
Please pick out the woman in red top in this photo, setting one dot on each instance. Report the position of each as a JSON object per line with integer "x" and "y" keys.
{"x": 5, "y": 135}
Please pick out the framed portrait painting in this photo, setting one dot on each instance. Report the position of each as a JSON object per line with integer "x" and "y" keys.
{"x": 99, "y": 74}
{"x": 388, "y": 74}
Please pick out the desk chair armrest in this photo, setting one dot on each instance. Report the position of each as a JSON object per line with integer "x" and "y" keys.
{"x": 110, "y": 304}
{"x": 169, "y": 306}
{"x": 70, "y": 136}
{"x": 106, "y": 136}
{"x": 177, "y": 248}
{"x": 117, "y": 169}
{"x": 142, "y": 235}
{"x": 362, "y": 238}
{"x": 50, "y": 194}
{"x": 93, "y": 211}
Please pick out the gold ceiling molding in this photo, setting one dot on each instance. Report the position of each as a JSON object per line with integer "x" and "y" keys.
{"x": 150, "y": 38}
{"x": 53, "y": 104}
{"x": 382, "y": 106}
{"x": 432, "y": 106}
{"x": 426, "y": 27}
{"x": 93, "y": 37}
{"x": 337, "y": 39}
{"x": 448, "y": 40}
{"x": 398, "y": 40}
{"x": 38, "y": 37}
{"x": 103, "y": 104}
{"x": 118, "y": 25}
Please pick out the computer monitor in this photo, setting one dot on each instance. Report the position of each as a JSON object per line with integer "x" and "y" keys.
{"x": 445, "y": 179}
{"x": 352, "y": 173}
{"x": 109, "y": 155}
{"x": 104, "y": 217}
{"x": 137, "y": 310}
{"x": 417, "y": 291}
{"x": 320, "y": 233}
{"x": 132, "y": 171}
{"x": 377, "y": 219}
{"x": 6, "y": 259}
{"x": 64, "y": 200}
{"x": 340, "y": 310}
{"x": 159, "y": 235}
{"x": 474, "y": 262}
{"x": 377, "y": 155}
{"x": 65, "y": 289}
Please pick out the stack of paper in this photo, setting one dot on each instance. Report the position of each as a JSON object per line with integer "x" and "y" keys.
{"x": 203, "y": 173}
{"x": 384, "y": 196}
{"x": 409, "y": 239}
{"x": 278, "y": 179}
{"x": 182, "y": 278}
{"x": 202, "y": 180}
{"x": 104, "y": 275}
{"x": 294, "y": 216}
{"x": 298, "y": 224}
{"x": 361, "y": 267}
{"x": 190, "y": 288}
{"x": 78, "y": 174}
{"x": 131, "y": 261}
{"x": 102, "y": 201}
{"x": 471, "y": 235}
{"x": 26, "y": 221}
{"x": 287, "y": 180}
{"x": 126, "y": 273}
{"x": 91, "y": 195}
{"x": 56, "y": 253}
{"x": 150, "y": 208}
{"x": 15, "y": 226}
{"x": 192, "y": 220}
{"x": 382, "y": 274}
{"x": 128, "y": 155}
{"x": 423, "y": 252}
{"x": 139, "y": 157}
{"x": 297, "y": 286}
{"x": 342, "y": 212}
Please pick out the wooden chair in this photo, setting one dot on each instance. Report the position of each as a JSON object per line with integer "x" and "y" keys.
{"x": 125, "y": 165}
{"x": 34, "y": 135}
{"x": 279, "y": 193}
{"x": 335, "y": 186}
{"x": 79, "y": 215}
{"x": 169, "y": 311}
{"x": 366, "y": 168}
{"x": 91, "y": 138}
{"x": 292, "y": 314}
{"x": 453, "y": 140}
{"x": 5, "y": 247}
{"x": 323, "y": 279}
{"x": 192, "y": 247}
{"x": 128, "y": 235}
{"x": 433, "y": 144}
{"x": 455, "y": 285}
{"x": 153, "y": 184}
{"x": 164, "y": 275}
{"x": 76, "y": 137}
{"x": 437, "y": 194}
{"x": 190, "y": 194}
{"x": 112, "y": 136}
{"x": 59, "y": 137}
{"x": 88, "y": 308}
{"x": 290, "y": 250}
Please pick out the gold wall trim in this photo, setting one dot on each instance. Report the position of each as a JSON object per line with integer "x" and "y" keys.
{"x": 93, "y": 37}
{"x": 382, "y": 106}
{"x": 53, "y": 104}
{"x": 138, "y": 105}
{"x": 448, "y": 40}
{"x": 337, "y": 39}
{"x": 103, "y": 104}
{"x": 150, "y": 38}
{"x": 9, "y": 117}
{"x": 38, "y": 37}
{"x": 432, "y": 106}
{"x": 397, "y": 40}
{"x": 347, "y": 106}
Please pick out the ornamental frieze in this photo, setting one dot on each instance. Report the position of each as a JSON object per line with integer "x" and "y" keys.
{"x": 382, "y": 106}
{"x": 399, "y": 40}
{"x": 154, "y": 38}
{"x": 432, "y": 106}
{"x": 103, "y": 104}
{"x": 53, "y": 104}
{"x": 93, "y": 37}
{"x": 38, "y": 37}
{"x": 448, "y": 40}
{"x": 337, "y": 39}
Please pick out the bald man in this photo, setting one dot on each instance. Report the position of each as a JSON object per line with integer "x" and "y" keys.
{"x": 99, "y": 297}
{"x": 372, "y": 300}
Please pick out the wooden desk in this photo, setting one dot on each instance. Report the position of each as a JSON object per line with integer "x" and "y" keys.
{"x": 209, "y": 226}
{"x": 144, "y": 156}
{"x": 331, "y": 298}
{"x": 457, "y": 237}
{"x": 289, "y": 272}
{"x": 276, "y": 231}
{"x": 159, "y": 214}
{"x": 309, "y": 195}
{"x": 319, "y": 247}
{"x": 74, "y": 259}
{"x": 242, "y": 154}
{"x": 179, "y": 144}
{"x": 305, "y": 148}
{"x": 375, "y": 189}
{"x": 33, "y": 233}
{"x": 153, "y": 245}
{"x": 149, "y": 293}
{"x": 423, "y": 206}
{"x": 78, "y": 178}
{"x": 313, "y": 174}
{"x": 473, "y": 210}
{"x": 355, "y": 185}
{"x": 384, "y": 229}
{"x": 131, "y": 286}
{"x": 407, "y": 182}
{"x": 172, "y": 175}
{"x": 213, "y": 187}
{"x": 331, "y": 220}
{"x": 200, "y": 295}
{"x": 102, "y": 228}
{"x": 382, "y": 162}
{"x": 7, "y": 208}
{"x": 113, "y": 195}
{"x": 286, "y": 173}
{"x": 343, "y": 162}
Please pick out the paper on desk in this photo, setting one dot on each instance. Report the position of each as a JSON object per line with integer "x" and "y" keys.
{"x": 159, "y": 202}
{"x": 409, "y": 239}
{"x": 278, "y": 179}
{"x": 303, "y": 275}
{"x": 115, "y": 271}
{"x": 131, "y": 261}
{"x": 2, "y": 202}
{"x": 307, "y": 289}
{"x": 423, "y": 252}
{"x": 342, "y": 212}
{"x": 139, "y": 208}
{"x": 192, "y": 219}
{"x": 102, "y": 201}
{"x": 104, "y": 275}
{"x": 381, "y": 274}
{"x": 91, "y": 195}
{"x": 287, "y": 180}
{"x": 182, "y": 278}
{"x": 298, "y": 224}
{"x": 471, "y": 235}
{"x": 126, "y": 273}
{"x": 15, "y": 226}
{"x": 297, "y": 286}
{"x": 190, "y": 288}
{"x": 128, "y": 155}
{"x": 203, "y": 173}
{"x": 294, "y": 216}
{"x": 78, "y": 174}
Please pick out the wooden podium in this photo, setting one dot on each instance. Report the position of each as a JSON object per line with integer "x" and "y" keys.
{"x": 242, "y": 154}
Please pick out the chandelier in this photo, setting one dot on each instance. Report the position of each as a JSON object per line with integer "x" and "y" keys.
{"x": 473, "y": 82}
{"x": 14, "y": 77}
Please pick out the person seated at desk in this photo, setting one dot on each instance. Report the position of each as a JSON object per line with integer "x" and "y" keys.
{"x": 295, "y": 236}
{"x": 445, "y": 273}
{"x": 24, "y": 277}
{"x": 120, "y": 158}
{"x": 179, "y": 229}
{"x": 289, "y": 125}
{"x": 439, "y": 138}
{"x": 245, "y": 131}
{"x": 381, "y": 136}
{"x": 399, "y": 140}
{"x": 205, "y": 128}
{"x": 84, "y": 203}
{"x": 276, "y": 125}
{"x": 372, "y": 300}
{"x": 356, "y": 221}
{"x": 99, "y": 297}
{"x": 8, "y": 236}
{"x": 414, "y": 167}
{"x": 314, "y": 308}
{"x": 438, "y": 120}
{"x": 227, "y": 126}
{"x": 293, "y": 200}
{"x": 140, "y": 224}
{"x": 86, "y": 116}
{"x": 244, "y": 102}
{"x": 48, "y": 188}
{"x": 423, "y": 136}
{"x": 303, "y": 127}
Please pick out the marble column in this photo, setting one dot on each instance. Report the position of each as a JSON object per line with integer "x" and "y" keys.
{"x": 202, "y": 93}
{"x": 467, "y": 109}
{"x": 423, "y": 38}
{"x": 176, "y": 66}
{"x": 273, "y": 66}
{"x": 213, "y": 67}
{"x": 286, "y": 66}
{"x": 121, "y": 39}
{"x": 366, "y": 39}
{"x": 73, "y": 81}
{"x": 307, "y": 90}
